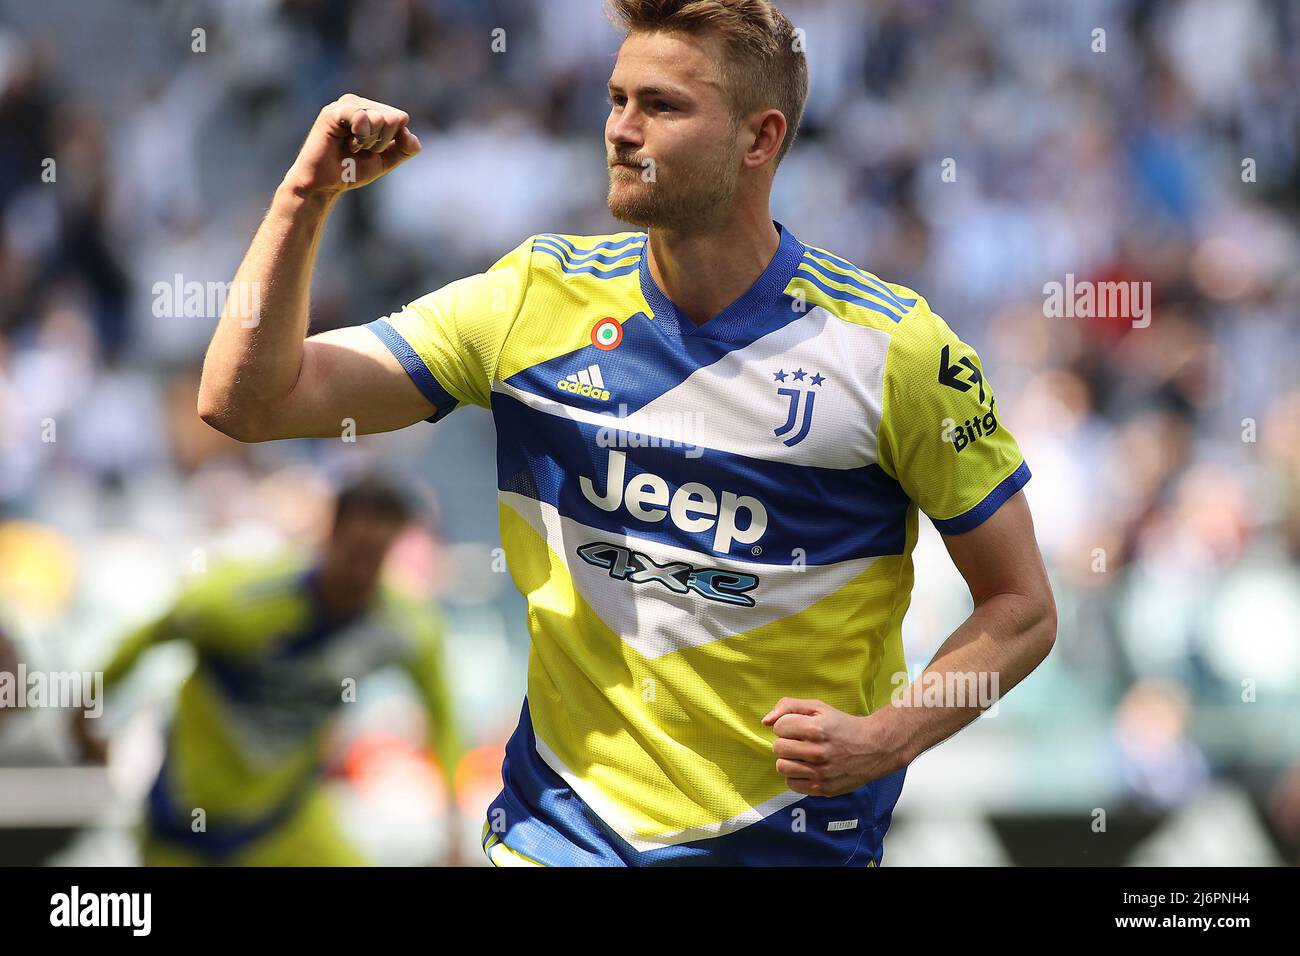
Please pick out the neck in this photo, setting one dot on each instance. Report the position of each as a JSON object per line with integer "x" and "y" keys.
{"x": 704, "y": 272}
{"x": 336, "y": 598}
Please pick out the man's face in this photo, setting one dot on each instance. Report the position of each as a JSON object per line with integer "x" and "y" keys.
{"x": 355, "y": 555}
{"x": 671, "y": 137}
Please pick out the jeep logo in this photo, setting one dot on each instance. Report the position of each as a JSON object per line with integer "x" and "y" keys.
{"x": 694, "y": 507}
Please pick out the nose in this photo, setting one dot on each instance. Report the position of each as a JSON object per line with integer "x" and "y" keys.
{"x": 623, "y": 130}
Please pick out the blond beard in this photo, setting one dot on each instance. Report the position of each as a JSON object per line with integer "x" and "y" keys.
{"x": 675, "y": 203}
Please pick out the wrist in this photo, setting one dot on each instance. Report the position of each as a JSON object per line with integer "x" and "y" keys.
{"x": 294, "y": 192}
{"x": 892, "y": 736}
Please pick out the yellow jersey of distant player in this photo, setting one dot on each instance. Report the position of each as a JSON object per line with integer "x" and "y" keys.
{"x": 273, "y": 670}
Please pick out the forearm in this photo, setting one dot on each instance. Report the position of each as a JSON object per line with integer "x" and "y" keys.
{"x": 1003, "y": 640}
{"x": 256, "y": 353}
{"x": 444, "y": 736}
{"x": 128, "y": 653}
{"x": 427, "y": 671}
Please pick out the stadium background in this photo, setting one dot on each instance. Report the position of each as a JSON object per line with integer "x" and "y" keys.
{"x": 1166, "y": 458}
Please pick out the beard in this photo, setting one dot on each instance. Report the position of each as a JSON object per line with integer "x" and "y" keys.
{"x": 676, "y": 200}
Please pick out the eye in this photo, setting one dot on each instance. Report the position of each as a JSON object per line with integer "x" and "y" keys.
{"x": 617, "y": 99}
{"x": 664, "y": 107}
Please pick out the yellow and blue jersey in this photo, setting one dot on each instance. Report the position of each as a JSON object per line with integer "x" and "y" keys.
{"x": 703, "y": 519}
{"x": 272, "y": 670}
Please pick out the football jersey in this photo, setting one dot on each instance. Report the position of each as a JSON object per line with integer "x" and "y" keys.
{"x": 272, "y": 671}
{"x": 703, "y": 519}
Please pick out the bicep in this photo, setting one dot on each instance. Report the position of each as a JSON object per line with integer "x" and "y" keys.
{"x": 350, "y": 380}
{"x": 1000, "y": 555}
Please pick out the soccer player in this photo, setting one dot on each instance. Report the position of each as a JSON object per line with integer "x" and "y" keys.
{"x": 713, "y": 443}
{"x": 280, "y": 645}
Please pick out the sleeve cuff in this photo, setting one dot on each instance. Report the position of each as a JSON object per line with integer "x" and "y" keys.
{"x": 424, "y": 379}
{"x": 991, "y": 503}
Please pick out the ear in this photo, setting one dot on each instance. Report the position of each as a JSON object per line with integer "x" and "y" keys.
{"x": 768, "y": 129}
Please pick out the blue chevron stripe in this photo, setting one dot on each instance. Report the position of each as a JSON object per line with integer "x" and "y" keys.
{"x": 880, "y": 287}
{"x": 575, "y": 261}
{"x": 812, "y": 277}
{"x": 590, "y": 269}
{"x": 547, "y": 821}
{"x": 809, "y": 265}
{"x": 609, "y": 246}
{"x": 832, "y": 514}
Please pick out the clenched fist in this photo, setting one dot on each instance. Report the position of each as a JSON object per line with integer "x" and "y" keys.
{"x": 824, "y": 752}
{"x": 353, "y": 142}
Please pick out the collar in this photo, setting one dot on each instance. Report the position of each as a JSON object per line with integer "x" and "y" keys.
{"x": 755, "y": 302}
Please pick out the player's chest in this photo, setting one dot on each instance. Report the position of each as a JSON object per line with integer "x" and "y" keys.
{"x": 807, "y": 393}
{"x": 307, "y": 665}
{"x": 713, "y": 446}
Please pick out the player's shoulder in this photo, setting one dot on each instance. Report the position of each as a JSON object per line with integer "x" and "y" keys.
{"x": 409, "y": 617}
{"x": 607, "y": 256}
{"x": 245, "y": 585}
{"x": 393, "y": 602}
{"x": 855, "y": 295}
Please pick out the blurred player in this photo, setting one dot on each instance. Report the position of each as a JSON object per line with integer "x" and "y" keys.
{"x": 278, "y": 644}
{"x": 713, "y": 444}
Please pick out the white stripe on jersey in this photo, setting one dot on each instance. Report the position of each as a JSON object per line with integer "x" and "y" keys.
{"x": 611, "y": 815}
{"x": 655, "y": 620}
{"x": 733, "y": 405}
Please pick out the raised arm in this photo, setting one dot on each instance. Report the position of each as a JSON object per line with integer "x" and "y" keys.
{"x": 262, "y": 378}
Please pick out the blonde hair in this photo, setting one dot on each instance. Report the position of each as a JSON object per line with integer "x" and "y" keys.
{"x": 766, "y": 67}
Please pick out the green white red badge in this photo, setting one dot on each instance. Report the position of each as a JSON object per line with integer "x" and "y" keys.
{"x": 606, "y": 334}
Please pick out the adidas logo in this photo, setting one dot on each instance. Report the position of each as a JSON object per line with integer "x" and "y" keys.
{"x": 588, "y": 383}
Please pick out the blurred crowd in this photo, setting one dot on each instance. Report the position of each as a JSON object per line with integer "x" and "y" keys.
{"x": 975, "y": 152}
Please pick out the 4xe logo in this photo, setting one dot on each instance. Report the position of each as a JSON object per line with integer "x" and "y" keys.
{"x": 624, "y": 564}
{"x": 964, "y": 434}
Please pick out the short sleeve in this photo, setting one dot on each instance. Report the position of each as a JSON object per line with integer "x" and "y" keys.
{"x": 941, "y": 434}
{"x": 450, "y": 341}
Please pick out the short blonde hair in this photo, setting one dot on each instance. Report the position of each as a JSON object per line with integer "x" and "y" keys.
{"x": 766, "y": 67}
